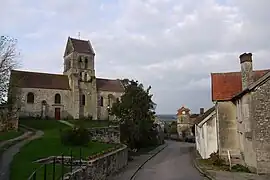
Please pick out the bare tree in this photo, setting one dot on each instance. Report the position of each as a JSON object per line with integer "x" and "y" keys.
{"x": 8, "y": 62}
{"x": 8, "y": 56}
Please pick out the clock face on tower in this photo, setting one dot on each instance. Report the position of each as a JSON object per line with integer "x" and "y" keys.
{"x": 183, "y": 112}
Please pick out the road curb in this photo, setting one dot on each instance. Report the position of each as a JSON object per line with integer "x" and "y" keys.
{"x": 195, "y": 164}
{"x": 153, "y": 155}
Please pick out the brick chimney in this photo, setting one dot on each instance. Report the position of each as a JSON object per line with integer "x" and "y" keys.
{"x": 201, "y": 110}
{"x": 246, "y": 69}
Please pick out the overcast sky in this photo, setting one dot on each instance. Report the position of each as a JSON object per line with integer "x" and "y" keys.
{"x": 172, "y": 45}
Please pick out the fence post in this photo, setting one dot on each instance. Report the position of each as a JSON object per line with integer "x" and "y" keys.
{"x": 35, "y": 175}
{"x": 71, "y": 160}
{"x": 45, "y": 171}
{"x": 62, "y": 168}
{"x": 80, "y": 156}
{"x": 53, "y": 174}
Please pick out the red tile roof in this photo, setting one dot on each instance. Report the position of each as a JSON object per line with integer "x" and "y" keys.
{"x": 109, "y": 85}
{"x": 227, "y": 85}
{"x": 26, "y": 79}
{"x": 179, "y": 111}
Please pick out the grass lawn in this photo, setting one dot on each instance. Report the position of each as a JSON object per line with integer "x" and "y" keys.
{"x": 48, "y": 145}
{"x": 9, "y": 135}
{"x": 91, "y": 123}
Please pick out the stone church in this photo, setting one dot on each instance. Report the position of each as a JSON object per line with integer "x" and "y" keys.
{"x": 76, "y": 93}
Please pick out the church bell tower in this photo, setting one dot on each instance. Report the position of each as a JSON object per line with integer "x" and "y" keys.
{"x": 79, "y": 67}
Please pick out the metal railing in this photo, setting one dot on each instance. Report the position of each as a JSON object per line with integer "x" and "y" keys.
{"x": 45, "y": 172}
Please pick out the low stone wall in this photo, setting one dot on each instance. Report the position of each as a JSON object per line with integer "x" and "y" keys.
{"x": 8, "y": 119}
{"x": 101, "y": 167}
{"x": 109, "y": 134}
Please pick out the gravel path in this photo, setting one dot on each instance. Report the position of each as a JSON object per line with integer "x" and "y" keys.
{"x": 7, "y": 156}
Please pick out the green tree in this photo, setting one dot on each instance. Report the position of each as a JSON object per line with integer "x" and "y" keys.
{"x": 136, "y": 113}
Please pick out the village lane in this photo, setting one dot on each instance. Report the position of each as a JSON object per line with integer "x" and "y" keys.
{"x": 173, "y": 163}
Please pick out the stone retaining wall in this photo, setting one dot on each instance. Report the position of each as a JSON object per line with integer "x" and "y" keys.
{"x": 101, "y": 167}
{"x": 109, "y": 134}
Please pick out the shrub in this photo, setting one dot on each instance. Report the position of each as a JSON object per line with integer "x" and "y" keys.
{"x": 216, "y": 160}
{"x": 76, "y": 136}
{"x": 240, "y": 168}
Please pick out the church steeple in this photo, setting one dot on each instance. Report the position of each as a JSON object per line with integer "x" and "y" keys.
{"x": 79, "y": 58}
{"x": 78, "y": 46}
{"x": 79, "y": 67}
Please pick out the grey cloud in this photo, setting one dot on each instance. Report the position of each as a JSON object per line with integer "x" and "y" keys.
{"x": 171, "y": 45}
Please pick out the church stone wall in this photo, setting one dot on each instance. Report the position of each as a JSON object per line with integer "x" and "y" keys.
{"x": 102, "y": 110}
{"x": 47, "y": 95}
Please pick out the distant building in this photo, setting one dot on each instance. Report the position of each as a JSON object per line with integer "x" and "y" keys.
{"x": 185, "y": 121}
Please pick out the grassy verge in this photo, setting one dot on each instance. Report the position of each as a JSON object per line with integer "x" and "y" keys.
{"x": 49, "y": 145}
{"x": 207, "y": 164}
{"x": 9, "y": 135}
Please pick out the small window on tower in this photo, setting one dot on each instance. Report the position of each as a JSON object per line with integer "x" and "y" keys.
{"x": 85, "y": 77}
{"x": 80, "y": 75}
{"x": 86, "y": 63}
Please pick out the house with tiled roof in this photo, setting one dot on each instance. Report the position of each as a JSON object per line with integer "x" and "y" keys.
{"x": 242, "y": 101}
{"x": 76, "y": 93}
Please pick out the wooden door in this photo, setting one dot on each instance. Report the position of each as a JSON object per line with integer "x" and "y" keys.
{"x": 57, "y": 114}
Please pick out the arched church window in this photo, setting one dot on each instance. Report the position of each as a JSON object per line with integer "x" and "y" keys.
{"x": 30, "y": 97}
{"x": 80, "y": 59}
{"x": 86, "y": 63}
{"x": 83, "y": 99}
{"x": 57, "y": 99}
{"x": 101, "y": 101}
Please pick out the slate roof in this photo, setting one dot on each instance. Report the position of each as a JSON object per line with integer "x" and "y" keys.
{"x": 204, "y": 115}
{"x": 252, "y": 86}
{"x": 194, "y": 115}
{"x": 82, "y": 46}
{"x": 109, "y": 85}
{"x": 26, "y": 79}
{"x": 227, "y": 85}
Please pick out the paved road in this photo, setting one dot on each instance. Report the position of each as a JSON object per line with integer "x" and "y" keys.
{"x": 173, "y": 163}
